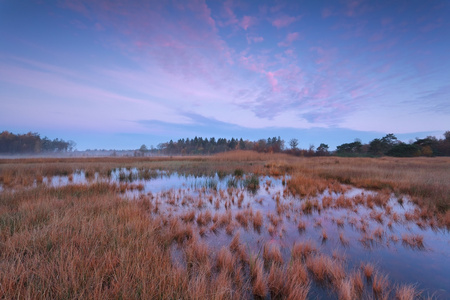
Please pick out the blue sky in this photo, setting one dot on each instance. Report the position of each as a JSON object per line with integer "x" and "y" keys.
{"x": 119, "y": 74}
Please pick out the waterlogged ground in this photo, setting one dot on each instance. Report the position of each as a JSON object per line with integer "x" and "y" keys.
{"x": 351, "y": 226}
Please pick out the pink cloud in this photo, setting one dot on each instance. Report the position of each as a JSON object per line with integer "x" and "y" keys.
{"x": 79, "y": 24}
{"x": 355, "y": 8}
{"x": 254, "y": 39}
{"x": 289, "y": 52}
{"x": 431, "y": 26}
{"x": 99, "y": 27}
{"x": 326, "y": 12}
{"x": 77, "y": 6}
{"x": 355, "y": 93}
{"x": 385, "y": 68}
{"x": 247, "y": 21}
{"x": 203, "y": 11}
{"x": 325, "y": 56}
{"x": 378, "y": 36}
{"x": 276, "y": 8}
{"x": 284, "y": 21}
{"x": 250, "y": 63}
{"x": 186, "y": 43}
{"x": 272, "y": 81}
{"x": 383, "y": 46}
{"x": 291, "y": 37}
{"x": 228, "y": 13}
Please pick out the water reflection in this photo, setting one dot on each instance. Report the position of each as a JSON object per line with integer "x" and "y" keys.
{"x": 359, "y": 225}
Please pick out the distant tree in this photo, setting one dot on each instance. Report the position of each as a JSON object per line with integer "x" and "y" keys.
{"x": 260, "y": 145}
{"x": 162, "y": 147}
{"x": 275, "y": 144}
{"x": 429, "y": 146}
{"x": 447, "y": 135}
{"x": 72, "y": 145}
{"x": 322, "y": 150}
{"x": 31, "y": 143}
{"x": 389, "y": 139}
{"x": 349, "y": 149}
{"x": 293, "y": 143}
{"x": 404, "y": 150}
{"x": 143, "y": 149}
{"x": 232, "y": 144}
{"x": 242, "y": 144}
{"x": 376, "y": 147}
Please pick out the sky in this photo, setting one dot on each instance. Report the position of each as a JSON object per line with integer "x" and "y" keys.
{"x": 118, "y": 74}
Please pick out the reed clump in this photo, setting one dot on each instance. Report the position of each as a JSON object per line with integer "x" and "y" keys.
{"x": 414, "y": 241}
{"x": 272, "y": 253}
{"x": 325, "y": 269}
{"x": 406, "y": 292}
{"x": 303, "y": 250}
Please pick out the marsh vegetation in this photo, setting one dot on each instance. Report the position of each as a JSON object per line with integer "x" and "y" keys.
{"x": 235, "y": 225}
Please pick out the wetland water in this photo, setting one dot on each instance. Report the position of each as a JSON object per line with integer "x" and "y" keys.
{"x": 358, "y": 226}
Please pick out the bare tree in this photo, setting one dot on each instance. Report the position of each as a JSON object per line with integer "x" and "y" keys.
{"x": 293, "y": 143}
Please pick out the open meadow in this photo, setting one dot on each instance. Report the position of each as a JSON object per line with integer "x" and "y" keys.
{"x": 236, "y": 225}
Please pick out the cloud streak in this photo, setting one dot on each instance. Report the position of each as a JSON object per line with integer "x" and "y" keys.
{"x": 286, "y": 66}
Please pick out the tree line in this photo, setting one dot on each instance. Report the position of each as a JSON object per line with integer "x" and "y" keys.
{"x": 201, "y": 146}
{"x": 388, "y": 145}
{"x": 205, "y": 146}
{"x": 32, "y": 143}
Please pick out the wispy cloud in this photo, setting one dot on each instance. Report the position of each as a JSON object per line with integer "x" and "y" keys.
{"x": 254, "y": 39}
{"x": 247, "y": 21}
{"x": 228, "y": 63}
{"x": 291, "y": 37}
{"x": 284, "y": 21}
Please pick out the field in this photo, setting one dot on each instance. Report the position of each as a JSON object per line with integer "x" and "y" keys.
{"x": 230, "y": 226}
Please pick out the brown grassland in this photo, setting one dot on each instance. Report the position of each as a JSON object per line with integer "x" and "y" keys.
{"x": 88, "y": 241}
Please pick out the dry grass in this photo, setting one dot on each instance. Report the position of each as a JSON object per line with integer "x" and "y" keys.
{"x": 259, "y": 281}
{"x": 204, "y": 218}
{"x": 379, "y": 233}
{"x": 276, "y": 281}
{"x": 188, "y": 216}
{"x": 257, "y": 219}
{"x": 406, "y": 292}
{"x": 225, "y": 260}
{"x": 197, "y": 257}
{"x": 425, "y": 179}
{"x": 298, "y": 283}
{"x": 100, "y": 247}
{"x": 301, "y": 226}
{"x": 325, "y": 269}
{"x": 414, "y": 241}
{"x": 380, "y": 286}
{"x": 303, "y": 185}
{"x": 368, "y": 269}
{"x": 358, "y": 283}
{"x": 303, "y": 250}
{"x": 343, "y": 239}
{"x": 235, "y": 242}
{"x": 272, "y": 253}
{"x": 85, "y": 241}
{"x": 346, "y": 289}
